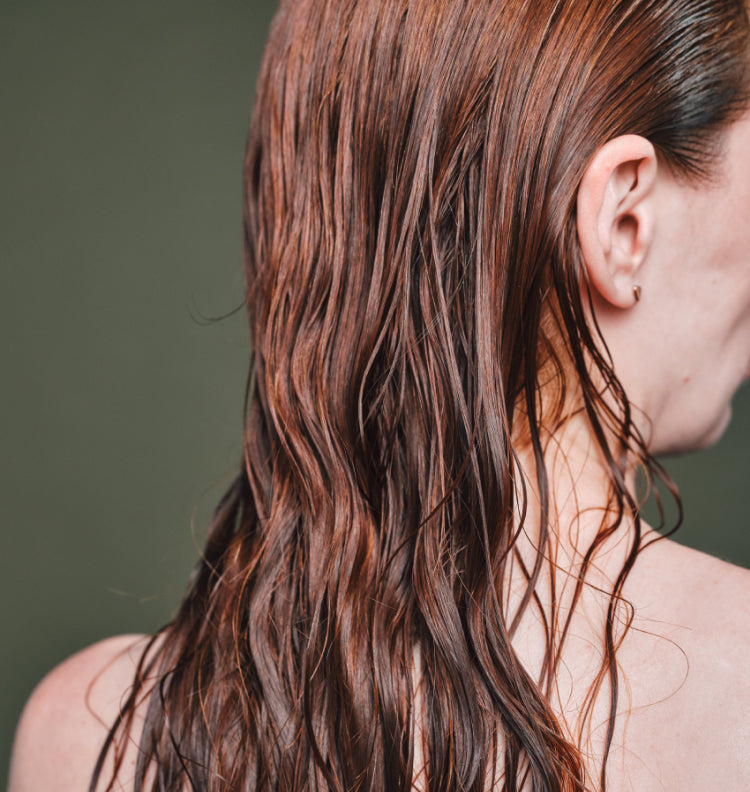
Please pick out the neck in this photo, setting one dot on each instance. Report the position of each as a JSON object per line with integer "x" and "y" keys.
{"x": 583, "y": 535}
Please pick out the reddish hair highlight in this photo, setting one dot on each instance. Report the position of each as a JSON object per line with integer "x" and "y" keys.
{"x": 413, "y": 286}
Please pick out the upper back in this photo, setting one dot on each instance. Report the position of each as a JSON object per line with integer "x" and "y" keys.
{"x": 683, "y": 721}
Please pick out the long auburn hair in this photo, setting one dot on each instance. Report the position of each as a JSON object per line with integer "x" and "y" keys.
{"x": 413, "y": 281}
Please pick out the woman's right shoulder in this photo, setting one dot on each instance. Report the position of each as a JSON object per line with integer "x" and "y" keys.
{"x": 68, "y": 716}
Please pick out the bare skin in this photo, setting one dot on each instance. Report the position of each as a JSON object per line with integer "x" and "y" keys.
{"x": 688, "y": 728}
{"x": 68, "y": 716}
{"x": 688, "y": 671}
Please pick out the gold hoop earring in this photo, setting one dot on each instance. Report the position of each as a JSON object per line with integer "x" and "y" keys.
{"x": 637, "y": 293}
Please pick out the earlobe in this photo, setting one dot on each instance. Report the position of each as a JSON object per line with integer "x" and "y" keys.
{"x": 615, "y": 216}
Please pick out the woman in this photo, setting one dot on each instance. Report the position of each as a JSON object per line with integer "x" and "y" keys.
{"x": 496, "y": 260}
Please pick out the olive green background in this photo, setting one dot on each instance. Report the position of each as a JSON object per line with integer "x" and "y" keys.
{"x": 121, "y": 140}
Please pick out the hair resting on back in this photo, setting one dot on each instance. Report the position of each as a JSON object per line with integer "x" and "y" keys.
{"x": 414, "y": 284}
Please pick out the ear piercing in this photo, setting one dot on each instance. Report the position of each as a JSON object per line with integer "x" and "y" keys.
{"x": 637, "y": 293}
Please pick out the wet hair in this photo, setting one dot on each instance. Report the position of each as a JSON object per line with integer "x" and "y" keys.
{"x": 414, "y": 286}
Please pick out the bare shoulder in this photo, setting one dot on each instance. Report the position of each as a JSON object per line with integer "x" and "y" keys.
{"x": 693, "y": 637}
{"x": 710, "y": 597}
{"x": 67, "y": 718}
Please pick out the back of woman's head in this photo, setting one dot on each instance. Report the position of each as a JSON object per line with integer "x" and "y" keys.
{"x": 414, "y": 286}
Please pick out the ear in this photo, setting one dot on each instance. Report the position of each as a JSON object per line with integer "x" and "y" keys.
{"x": 615, "y": 216}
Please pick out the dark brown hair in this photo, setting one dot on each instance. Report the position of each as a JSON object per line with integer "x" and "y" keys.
{"x": 413, "y": 281}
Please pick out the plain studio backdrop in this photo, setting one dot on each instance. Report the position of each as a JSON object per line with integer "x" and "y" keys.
{"x": 121, "y": 146}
